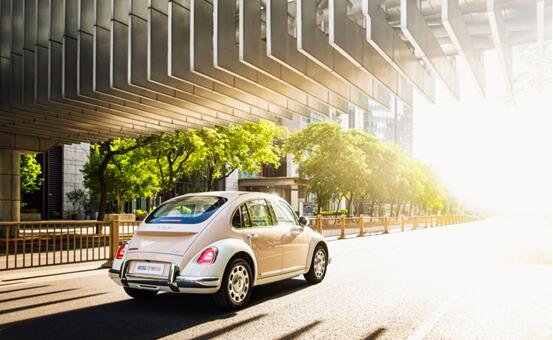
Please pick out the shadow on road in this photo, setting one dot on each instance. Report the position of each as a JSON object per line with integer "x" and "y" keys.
{"x": 52, "y": 274}
{"x": 296, "y": 333}
{"x": 376, "y": 334}
{"x": 20, "y": 289}
{"x": 161, "y": 316}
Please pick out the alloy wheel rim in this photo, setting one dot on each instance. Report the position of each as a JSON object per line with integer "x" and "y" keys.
{"x": 238, "y": 283}
{"x": 320, "y": 263}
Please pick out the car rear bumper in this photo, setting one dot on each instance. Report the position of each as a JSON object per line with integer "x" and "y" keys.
{"x": 175, "y": 283}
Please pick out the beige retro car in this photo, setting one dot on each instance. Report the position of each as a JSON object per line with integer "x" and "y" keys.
{"x": 220, "y": 243}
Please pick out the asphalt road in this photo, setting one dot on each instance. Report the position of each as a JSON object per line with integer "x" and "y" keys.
{"x": 487, "y": 280}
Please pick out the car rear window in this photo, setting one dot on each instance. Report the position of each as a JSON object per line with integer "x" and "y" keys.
{"x": 186, "y": 210}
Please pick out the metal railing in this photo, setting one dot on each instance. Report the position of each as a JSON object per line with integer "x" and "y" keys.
{"x": 45, "y": 243}
{"x": 343, "y": 226}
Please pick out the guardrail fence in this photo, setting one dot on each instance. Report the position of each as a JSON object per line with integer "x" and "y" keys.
{"x": 45, "y": 243}
{"x": 343, "y": 226}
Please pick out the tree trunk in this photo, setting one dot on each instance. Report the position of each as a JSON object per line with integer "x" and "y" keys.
{"x": 338, "y": 206}
{"x": 371, "y": 211}
{"x": 168, "y": 194}
{"x": 318, "y": 207}
{"x": 398, "y": 208}
{"x": 103, "y": 185}
{"x": 209, "y": 178}
{"x": 349, "y": 203}
{"x": 169, "y": 191}
{"x": 391, "y": 213}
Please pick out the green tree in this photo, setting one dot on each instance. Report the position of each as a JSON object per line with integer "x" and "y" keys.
{"x": 30, "y": 172}
{"x": 369, "y": 184}
{"x": 171, "y": 153}
{"x": 78, "y": 199}
{"x": 99, "y": 160}
{"x": 127, "y": 175}
{"x": 432, "y": 196}
{"x": 329, "y": 161}
{"x": 354, "y": 165}
{"x": 247, "y": 147}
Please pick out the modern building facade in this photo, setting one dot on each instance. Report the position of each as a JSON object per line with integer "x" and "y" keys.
{"x": 61, "y": 173}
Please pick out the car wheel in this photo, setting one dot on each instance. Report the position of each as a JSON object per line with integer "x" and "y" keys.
{"x": 317, "y": 271}
{"x": 140, "y": 293}
{"x": 236, "y": 287}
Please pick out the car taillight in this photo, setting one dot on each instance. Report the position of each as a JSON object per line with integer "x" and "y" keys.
{"x": 121, "y": 251}
{"x": 208, "y": 256}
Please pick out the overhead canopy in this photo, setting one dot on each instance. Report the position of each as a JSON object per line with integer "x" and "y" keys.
{"x": 87, "y": 70}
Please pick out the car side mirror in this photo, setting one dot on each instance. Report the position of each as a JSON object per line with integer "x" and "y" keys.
{"x": 303, "y": 221}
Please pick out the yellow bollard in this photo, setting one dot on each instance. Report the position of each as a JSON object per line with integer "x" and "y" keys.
{"x": 386, "y": 225}
{"x": 342, "y": 227}
{"x": 113, "y": 241}
{"x": 319, "y": 224}
{"x": 402, "y": 224}
{"x": 361, "y": 226}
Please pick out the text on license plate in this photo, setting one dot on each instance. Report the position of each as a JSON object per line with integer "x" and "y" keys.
{"x": 149, "y": 268}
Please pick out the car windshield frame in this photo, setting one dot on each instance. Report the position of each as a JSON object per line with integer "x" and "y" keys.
{"x": 160, "y": 214}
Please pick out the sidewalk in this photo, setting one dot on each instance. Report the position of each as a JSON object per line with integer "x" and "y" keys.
{"x": 28, "y": 275}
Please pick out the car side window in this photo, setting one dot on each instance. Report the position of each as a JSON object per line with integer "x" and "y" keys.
{"x": 246, "y": 221}
{"x": 259, "y": 213}
{"x": 237, "y": 219}
{"x": 283, "y": 213}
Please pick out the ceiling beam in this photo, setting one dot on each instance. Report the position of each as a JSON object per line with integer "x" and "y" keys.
{"x": 456, "y": 28}
{"x": 540, "y": 21}
{"x": 499, "y": 37}
{"x": 427, "y": 47}
{"x": 387, "y": 42}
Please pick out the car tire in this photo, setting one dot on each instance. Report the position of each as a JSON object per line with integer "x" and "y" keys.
{"x": 236, "y": 286}
{"x": 140, "y": 293}
{"x": 319, "y": 264}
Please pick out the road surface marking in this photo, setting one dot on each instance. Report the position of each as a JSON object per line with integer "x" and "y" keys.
{"x": 426, "y": 326}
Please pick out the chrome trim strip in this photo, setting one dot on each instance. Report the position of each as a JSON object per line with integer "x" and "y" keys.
{"x": 197, "y": 282}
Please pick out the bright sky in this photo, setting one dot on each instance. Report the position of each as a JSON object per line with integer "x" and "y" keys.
{"x": 489, "y": 152}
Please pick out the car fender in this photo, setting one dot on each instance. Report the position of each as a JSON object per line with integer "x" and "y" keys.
{"x": 226, "y": 249}
{"x": 316, "y": 238}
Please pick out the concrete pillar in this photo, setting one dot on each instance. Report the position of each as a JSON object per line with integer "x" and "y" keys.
{"x": 9, "y": 185}
{"x": 231, "y": 182}
{"x": 294, "y": 200}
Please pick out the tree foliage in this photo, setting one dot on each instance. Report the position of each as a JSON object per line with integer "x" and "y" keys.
{"x": 78, "y": 199}
{"x": 109, "y": 163}
{"x": 322, "y": 151}
{"x": 247, "y": 147}
{"x": 355, "y": 165}
{"x": 120, "y": 170}
{"x": 30, "y": 172}
{"x": 169, "y": 156}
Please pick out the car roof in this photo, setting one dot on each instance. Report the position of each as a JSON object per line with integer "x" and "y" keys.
{"x": 232, "y": 194}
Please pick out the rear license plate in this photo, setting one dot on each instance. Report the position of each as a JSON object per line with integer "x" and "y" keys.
{"x": 149, "y": 268}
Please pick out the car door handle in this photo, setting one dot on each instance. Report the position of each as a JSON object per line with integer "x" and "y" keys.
{"x": 251, "y": 236}
{"x": 295, "y": 231}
